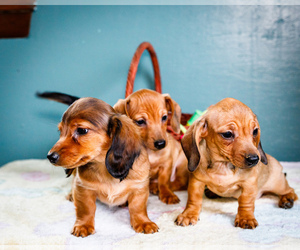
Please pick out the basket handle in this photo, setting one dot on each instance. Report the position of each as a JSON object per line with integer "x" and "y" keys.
{"x": 134, "y": 66}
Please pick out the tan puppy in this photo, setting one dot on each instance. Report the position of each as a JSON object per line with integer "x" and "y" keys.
{"x": 110, "y": 160}
{"x": 224, "y": 152}
{"x": 152, "y": 111}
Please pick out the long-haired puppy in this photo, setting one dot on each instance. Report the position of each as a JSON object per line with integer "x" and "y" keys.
{"x": 110, "y": 162}
{"x": 224, "y": 152}
{"x": 152, "y": 111}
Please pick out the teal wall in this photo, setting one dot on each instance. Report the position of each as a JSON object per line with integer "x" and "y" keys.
{"x": 206, "y": 53}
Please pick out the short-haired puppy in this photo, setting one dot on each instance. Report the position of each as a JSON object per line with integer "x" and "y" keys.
{"x": 110, "y": 162}
{"x": 152, "y": 111}
{"x": 224, "y": 152}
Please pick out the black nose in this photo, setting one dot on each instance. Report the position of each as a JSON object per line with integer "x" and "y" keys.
{"x": 252, "y": 160}
{"x": 53, "y": 157}
{"x": 160, "y": 144}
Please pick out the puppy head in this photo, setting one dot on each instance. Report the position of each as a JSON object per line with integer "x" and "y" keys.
{"x": 231, "y": 132}
{"x": 83, "y": 133}
{"x": 151, "y": 111}
{"x": 125, "y": 147}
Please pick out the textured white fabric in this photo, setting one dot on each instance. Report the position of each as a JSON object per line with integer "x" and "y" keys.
{"x": 35, "y": 213}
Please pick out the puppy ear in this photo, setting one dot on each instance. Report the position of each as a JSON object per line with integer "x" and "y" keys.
{"x": 122, "y": 106}
{"x": 175, "y": 110}
{"x": 190, "y": 143}
{"x": 125, "y": 147}
{"x": 263, "y": 156}
{"x": 68, "y": 172}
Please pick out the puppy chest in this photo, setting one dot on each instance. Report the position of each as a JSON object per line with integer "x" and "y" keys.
{"x": 225, "y": 190}
{"x": 223, "y": 185}
{"x": 113, "y": 194}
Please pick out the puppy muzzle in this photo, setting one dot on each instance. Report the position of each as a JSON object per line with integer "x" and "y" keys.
{"x": 53, "y": 157}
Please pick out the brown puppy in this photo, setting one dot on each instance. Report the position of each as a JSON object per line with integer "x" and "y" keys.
{"x": 224, "y": 152}
{"x": 151, "y": 111}
{"x": 110, "y": 160}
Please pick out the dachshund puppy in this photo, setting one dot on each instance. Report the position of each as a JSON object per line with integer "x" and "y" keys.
{"x": 110, "y": 162}
{"x": 152, "y": 111}
{"x": 224, "y": 152}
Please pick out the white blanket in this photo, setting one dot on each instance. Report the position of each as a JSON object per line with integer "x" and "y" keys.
{"x": 34, "y": 212}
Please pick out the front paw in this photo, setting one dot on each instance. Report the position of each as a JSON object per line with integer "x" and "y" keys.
{"x": 186, "y": 220}
{"x": 169, "y": 198}
{"x": 245, "y": 222}
{"x": 146, "y": 227}
{"x": 83, "y": 230}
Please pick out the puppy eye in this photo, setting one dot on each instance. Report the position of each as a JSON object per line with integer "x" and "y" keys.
{"x": 164, "y": 118}
{"x": 227, "y": 135}
{"x": 255, "y": 132}
{"x": 141, "y": 122}
{"x": 82, "y": 131}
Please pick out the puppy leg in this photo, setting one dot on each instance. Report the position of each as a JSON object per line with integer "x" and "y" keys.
{"x": 137, "y": 205}
{"x": 286, "y": 194}
{"x": 69, "y": 196}
{"x": 165, "y": 193}
{"x": 245, "y": 216}
{"x": 85, "y": 206}
{"x": 190, "y": 215}
{"x": 278, "y": 185}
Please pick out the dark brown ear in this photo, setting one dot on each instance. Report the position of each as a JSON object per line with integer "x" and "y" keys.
{"x": 175, "y": 111}
{"x": 69, "y": 172}
{"x": 122, "y": 106}
{"x": 263, "y": 156}
{"x": 125, "y": 147}
{"x": 190, "y": 142}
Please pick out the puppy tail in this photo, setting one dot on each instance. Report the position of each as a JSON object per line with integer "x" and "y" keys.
{"x": 58, "y": 97}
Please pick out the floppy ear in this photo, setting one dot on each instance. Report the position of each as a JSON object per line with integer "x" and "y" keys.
{"x": 125, "y": 148}
{"x": 190, "y": 143}
{"x": 263, "y": 156}
{"x": 122, "y": 106}
{"x": 175, "y": 110}
{"x": 69, "y": 172}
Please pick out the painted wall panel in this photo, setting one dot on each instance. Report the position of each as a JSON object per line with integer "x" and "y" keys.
{"x": 206, "y": 53}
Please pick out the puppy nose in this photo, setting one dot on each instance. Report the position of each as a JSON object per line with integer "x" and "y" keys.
{"x": 252, "y": 160}
{"x": 53, "y": 157}
{"x": 159, "y": 144}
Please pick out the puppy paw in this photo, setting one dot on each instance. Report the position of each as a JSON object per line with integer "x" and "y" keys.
{"x": 153, "y": 188}
{"x": 83, "y": 230}
{"x": 246, "y": 223}
{"x": 146, "y": 227}
{"x": 186, "y": 220}
{"x": 287, "y": 201}
{"x": 169, "y": 199}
